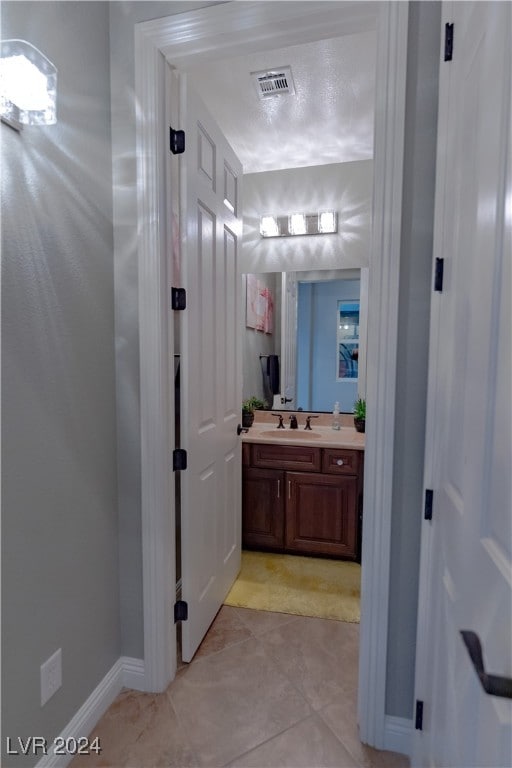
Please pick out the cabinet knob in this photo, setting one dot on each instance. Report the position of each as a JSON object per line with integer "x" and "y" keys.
{"x": 340, "y": 462}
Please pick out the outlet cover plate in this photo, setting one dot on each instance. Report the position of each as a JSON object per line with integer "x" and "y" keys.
{"x": 51, "y": 676}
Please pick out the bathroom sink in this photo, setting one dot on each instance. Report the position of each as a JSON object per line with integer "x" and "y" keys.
{"x": 280, "y": 434}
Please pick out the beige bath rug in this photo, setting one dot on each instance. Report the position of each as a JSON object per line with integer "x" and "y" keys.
{"x": 305, "y": 586}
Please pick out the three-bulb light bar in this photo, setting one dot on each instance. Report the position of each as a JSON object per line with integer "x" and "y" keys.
{"x": 321, "y": 223}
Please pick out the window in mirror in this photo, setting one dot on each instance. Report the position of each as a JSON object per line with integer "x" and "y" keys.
{"x": 348, "y": 340}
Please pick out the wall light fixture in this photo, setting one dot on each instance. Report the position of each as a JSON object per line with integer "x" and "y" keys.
{"x": 321, "y": 223}
{"x": 28, "y": 85}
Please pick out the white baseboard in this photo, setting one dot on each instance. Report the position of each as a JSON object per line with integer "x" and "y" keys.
{"x": 398, "y": 734}
{"x": 133, "y": 673}
{"x": 125, "y": 673}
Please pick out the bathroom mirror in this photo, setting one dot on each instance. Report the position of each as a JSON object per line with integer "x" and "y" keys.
{"x": 315, "y": 322}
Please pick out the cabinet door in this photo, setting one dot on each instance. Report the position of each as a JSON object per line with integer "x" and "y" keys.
{"x": 263, "y": 508}
{"x": 321, "y": 514}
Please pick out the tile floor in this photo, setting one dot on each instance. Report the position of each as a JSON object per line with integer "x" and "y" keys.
{"x": 264, "y": 689}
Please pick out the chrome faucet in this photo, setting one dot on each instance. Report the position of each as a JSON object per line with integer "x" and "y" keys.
{"x": 293, "y": 422}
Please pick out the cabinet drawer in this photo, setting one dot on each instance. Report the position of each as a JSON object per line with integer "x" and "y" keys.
{"x": 338, "y": 461}
{"x": 303, "y": 457}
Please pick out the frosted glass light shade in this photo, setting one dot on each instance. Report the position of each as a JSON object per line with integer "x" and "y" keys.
{"x": 28, "y": 84}
{"x": 297, "y": 224}
{"x": 327, "y": 222}
{"x": 268, "y": 226}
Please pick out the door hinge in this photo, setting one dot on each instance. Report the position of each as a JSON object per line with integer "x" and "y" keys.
{"x": 438, "y": 275}
{"x": 180, "y": 611}
{"x": 178, "y": 298}
{"x": 448, "y": 42}
{"x": 429, "y": 502}
{"x": 179, "y": 459}
{"x": 176, "y": 141}
{"x": 418, "y": 720}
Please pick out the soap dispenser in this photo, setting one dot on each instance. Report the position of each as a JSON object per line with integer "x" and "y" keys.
{"x": 336, "y": 424}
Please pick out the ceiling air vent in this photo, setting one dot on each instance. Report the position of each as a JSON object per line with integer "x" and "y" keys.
{"x": 274, "y": 82}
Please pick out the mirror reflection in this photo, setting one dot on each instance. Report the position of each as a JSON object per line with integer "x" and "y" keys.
{"x": 304, "y": 339}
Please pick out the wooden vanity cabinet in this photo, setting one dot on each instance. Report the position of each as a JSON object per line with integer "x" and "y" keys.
{"x": 302, "y": 499}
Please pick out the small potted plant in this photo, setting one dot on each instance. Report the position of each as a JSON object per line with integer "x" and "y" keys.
{"x": 248, "y": 407}
{"x": 360, "y": 414}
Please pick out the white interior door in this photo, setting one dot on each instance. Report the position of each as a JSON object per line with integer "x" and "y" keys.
{"x": 211, "y": 226}
{"x": 466, "y": 572}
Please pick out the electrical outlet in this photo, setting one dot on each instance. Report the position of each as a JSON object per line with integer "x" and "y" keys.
{"x": 51, "y": 676}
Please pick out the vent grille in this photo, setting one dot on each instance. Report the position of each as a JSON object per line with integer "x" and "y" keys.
{"x": 274, "y": 82}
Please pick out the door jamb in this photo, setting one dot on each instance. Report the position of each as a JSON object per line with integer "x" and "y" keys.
{"x": 201, "y": 33}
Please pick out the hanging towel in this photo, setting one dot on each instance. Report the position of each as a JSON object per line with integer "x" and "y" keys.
{"x": 273, "y": 373}
{"x": 267, "y": 394}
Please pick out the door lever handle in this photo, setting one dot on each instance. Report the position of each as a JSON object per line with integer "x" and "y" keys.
{"x": 494, "y": 685}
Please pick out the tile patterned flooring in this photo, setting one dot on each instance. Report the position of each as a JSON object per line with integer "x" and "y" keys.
{"x": 264, "y": 689}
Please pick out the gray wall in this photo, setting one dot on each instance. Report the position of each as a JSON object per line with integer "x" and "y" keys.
{"x": 413, "y": 335}
{"x": 60, "y": 585}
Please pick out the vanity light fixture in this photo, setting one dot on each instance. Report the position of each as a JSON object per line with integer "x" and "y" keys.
{"x": 321, "y": 223}
{"x": 28, "y": 85}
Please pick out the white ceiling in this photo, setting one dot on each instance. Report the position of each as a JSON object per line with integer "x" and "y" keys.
{"x": 328, "y": 120}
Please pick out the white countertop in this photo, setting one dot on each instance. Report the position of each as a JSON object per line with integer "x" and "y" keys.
{"x": 322, "y": 436}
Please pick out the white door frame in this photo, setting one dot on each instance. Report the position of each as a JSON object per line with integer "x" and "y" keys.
{"x": 202, "y": 34}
